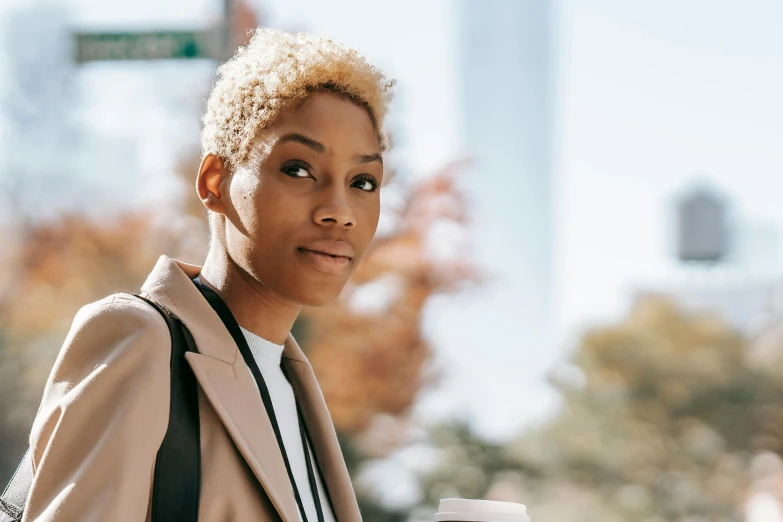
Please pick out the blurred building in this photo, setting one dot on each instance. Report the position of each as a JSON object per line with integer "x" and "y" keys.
{"x": 724, "y": 263}
{"x": 507, "y": 104}
{"x": 506, "y": 94}
{"x": 702, "y": 228}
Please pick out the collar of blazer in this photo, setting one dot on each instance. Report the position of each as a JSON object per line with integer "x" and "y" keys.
{"x": 230, "y": 388}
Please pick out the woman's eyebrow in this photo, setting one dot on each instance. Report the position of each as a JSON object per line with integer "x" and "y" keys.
{"x": 363, "y": 159}
{"x": 304, "y": 140}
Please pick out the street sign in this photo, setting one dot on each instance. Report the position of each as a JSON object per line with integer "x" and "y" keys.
{"x": 148, "y": 45}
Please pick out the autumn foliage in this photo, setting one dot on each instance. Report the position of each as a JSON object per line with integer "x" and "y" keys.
{"x": 662, "y": 415}
{"x": 369, "y": 359}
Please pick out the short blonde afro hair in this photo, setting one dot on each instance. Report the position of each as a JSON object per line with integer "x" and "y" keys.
{"x": 275, "y": 72}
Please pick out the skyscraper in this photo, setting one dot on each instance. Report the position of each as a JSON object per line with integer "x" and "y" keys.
{"x": 505, "y": 72}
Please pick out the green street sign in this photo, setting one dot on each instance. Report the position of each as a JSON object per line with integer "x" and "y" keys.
{"x": 149, "y": 45}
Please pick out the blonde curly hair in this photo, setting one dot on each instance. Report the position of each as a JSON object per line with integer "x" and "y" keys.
{"x": 275, "y": 72}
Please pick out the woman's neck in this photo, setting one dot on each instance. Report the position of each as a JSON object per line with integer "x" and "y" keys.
{"x": 254, "y": 306}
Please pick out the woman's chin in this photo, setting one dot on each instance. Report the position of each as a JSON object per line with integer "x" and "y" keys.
{"x": 317, "y": 299}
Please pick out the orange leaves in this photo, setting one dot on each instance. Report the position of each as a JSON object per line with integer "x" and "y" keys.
{"x": 367, "y": 349}
{"x": 60, "y": 266}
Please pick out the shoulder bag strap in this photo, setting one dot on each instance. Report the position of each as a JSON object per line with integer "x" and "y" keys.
{"x": 15, "y": 494}
{"x": 176, "y": 487}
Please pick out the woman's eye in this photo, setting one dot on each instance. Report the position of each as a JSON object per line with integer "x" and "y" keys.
{"x": 367, "y": 184}
{"x": 295, "y": 171}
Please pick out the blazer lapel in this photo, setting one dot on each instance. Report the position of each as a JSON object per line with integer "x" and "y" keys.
{"x": 233, "y": 394}
{"x": 225, "y": 379}
{"x": 322, "y": 434}
{"x": 229, "y": 386}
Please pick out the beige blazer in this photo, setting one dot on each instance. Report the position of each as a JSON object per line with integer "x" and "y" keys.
{"x": 105, "y": 411}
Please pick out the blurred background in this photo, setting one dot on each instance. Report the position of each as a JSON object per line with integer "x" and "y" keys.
{"x": 575, "y": 298}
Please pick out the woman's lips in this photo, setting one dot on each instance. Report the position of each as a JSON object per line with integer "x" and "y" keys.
{"x": 325, "y": 262}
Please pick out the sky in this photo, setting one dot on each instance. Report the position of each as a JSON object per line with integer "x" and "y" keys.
{"x": 649, "y": 98}
{"x": 654, "y": 96}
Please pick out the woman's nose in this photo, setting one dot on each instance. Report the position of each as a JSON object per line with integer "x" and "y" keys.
{"x": 335, "y": 210}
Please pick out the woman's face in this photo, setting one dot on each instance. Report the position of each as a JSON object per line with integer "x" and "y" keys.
{"x": 301, "y": 217}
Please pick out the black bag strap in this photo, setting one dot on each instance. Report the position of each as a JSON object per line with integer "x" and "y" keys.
{"x": 177, "y": 480}
{"x": 177, "y": 483}
{"x": 15, "y": 493}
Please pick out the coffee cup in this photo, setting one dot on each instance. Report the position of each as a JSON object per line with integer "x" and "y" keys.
{"x": 468, "y": 510}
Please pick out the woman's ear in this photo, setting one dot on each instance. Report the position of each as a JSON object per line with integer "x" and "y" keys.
{"x": 211, "y": 174}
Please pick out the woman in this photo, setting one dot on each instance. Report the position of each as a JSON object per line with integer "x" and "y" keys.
{"x": 291, "y": 171}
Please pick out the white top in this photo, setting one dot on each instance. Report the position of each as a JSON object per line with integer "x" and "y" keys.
{"x": 268, "y": 356}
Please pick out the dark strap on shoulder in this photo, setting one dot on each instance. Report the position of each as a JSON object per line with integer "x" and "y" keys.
{"x": 15, "y": 494}
{"x": 176, "y": 486}
{"x": 319, "y": 512}
{"x": 177, "y": 483}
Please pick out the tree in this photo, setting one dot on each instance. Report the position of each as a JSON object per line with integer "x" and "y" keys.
{"x": 38, "y": 137}
{"x": 370, "y": 359}
{"x": 661, "y": 415}
{"x": 59, "y": 267}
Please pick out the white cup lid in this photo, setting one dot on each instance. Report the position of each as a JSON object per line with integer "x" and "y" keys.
{"x": 468, "y": 510}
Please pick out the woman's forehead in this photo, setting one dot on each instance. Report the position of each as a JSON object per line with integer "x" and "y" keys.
{"x": 323, "y": 123}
